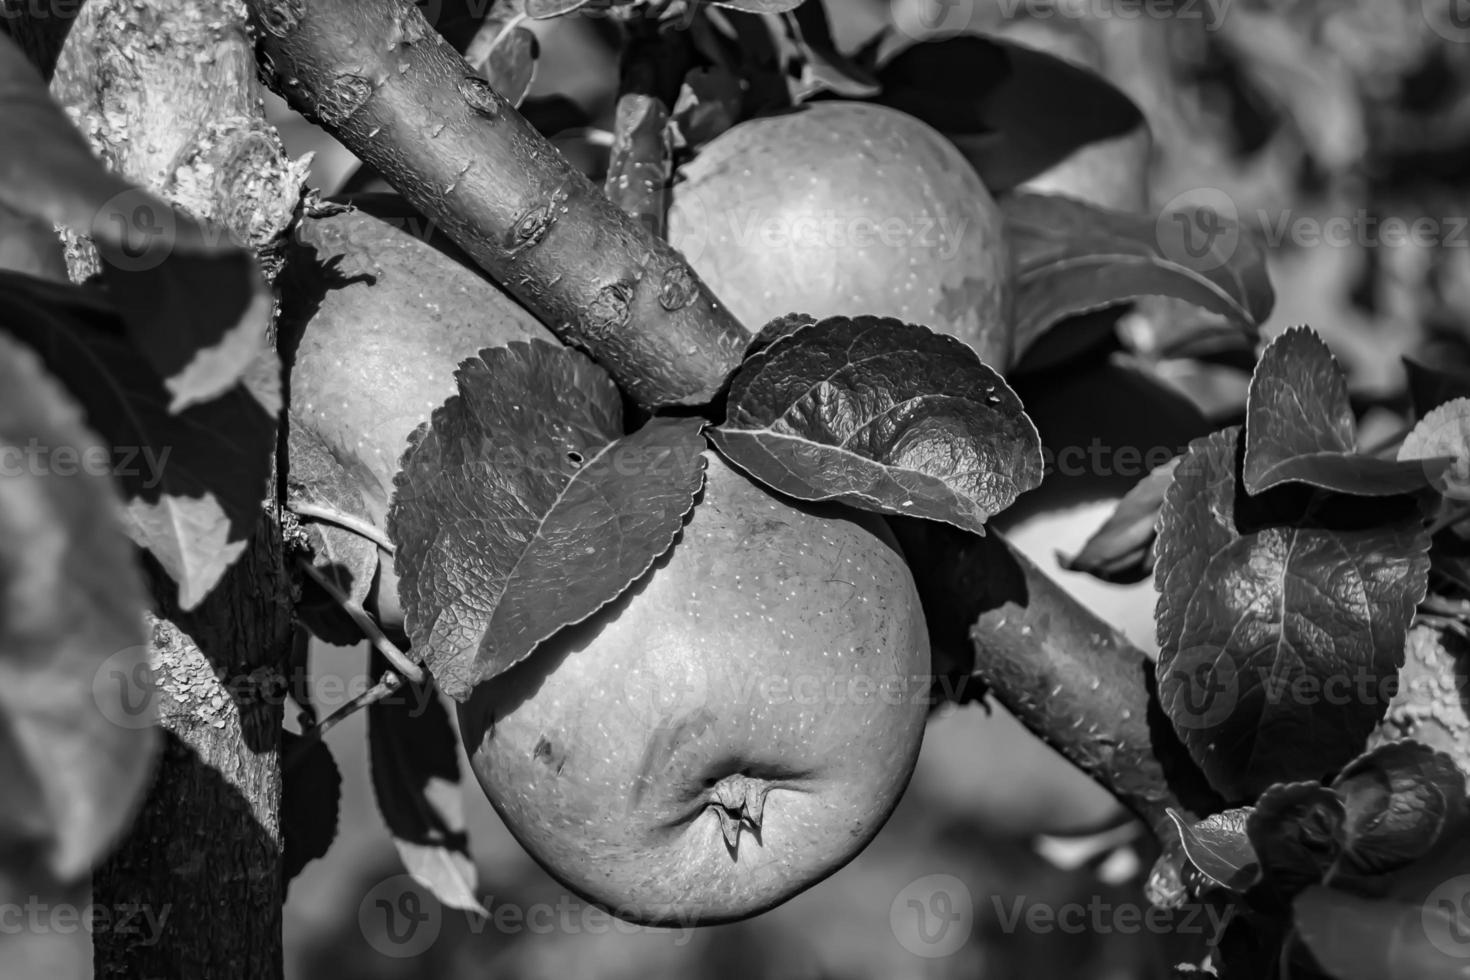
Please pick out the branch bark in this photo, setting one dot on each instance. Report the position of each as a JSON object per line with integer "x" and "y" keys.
{"x": 641, "y": 163}
{"x": 167, "y": 93}
{"x": 405, "y": 102}
{"x": 407, "y": 108}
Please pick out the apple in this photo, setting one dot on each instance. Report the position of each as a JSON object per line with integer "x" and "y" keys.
{"x": 845, "y": 208}
{"x": 392, "y": 318}
{"x": 733, "y": 729}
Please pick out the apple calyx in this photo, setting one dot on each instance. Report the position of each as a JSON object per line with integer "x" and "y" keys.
{"x": 739, "y": 799}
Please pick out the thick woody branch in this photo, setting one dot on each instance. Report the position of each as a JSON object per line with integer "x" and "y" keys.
{"x": 402, "y": 99}
{"x": 1066, "y": 674}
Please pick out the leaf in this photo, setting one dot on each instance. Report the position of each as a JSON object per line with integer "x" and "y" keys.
{"x": 1432, "y": 386}
{"x": 193, "y": 480}
{"x": 414, "y": 760}
{"x": 542, "y": 9}
{"x": 1219, "y": 848}
{"x": 311, "y": 801}
{"x": 1441, "y": 443}
{"x": 1072, "y": 258}
{"x": 823, "y": 67}
{"x": 1300, "y": 426}
{"x": 760, "y": 6}
{"x": 193, "y": 303}
{"x": 1356, "y": 938}
{"x": 882, "y": 415}
{"x": 1296, "y": 830}
{"x": 76, "y": 737}
{"x": 1280, "y": 631}
{"x": 708, "y": 104}
{"x": 509, "y": 64}
{"x": 522, "y": 509}
{"x": 1398, "y": 799}
{"x": 1014, "y": 111}
{"x": 346, "y": 558}
{"x": 1122, "y": 549}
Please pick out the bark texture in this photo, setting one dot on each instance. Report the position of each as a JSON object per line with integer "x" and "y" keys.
{"x": 400, "y": 97}
{"x": 166, "y": 92}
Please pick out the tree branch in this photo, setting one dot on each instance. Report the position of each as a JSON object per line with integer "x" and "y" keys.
{"x": 167, "y": 94}
{"x": 396, "y": 94}
{"x": 654, "y": 62}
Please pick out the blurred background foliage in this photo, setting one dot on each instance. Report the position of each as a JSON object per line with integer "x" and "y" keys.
{"x": 1301, "y": 113}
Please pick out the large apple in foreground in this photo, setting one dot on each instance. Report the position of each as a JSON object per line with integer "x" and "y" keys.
{"x": 846, "y": 209}
{"x": 735, "y": 728}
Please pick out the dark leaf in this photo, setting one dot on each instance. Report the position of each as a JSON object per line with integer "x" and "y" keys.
{"x": 708, "y": 104}
{"x": 522, "y": 509}
{"x": 1430, "y": 387}
{"x": 77, "y": 738}
{"x": 1398, "y": 799}
{"x": 882, "y": 415}
{"x": 509, "y": 62}
{"x": 311, "y": 799}
{"x": 1357, "y": 938}
{"x": 1071, "y": 258}
{"x": 349, "y": 560}
{"x": 1278, "y": 642}
{"x": 1014, "y": 111}
{"x": 823, "y": 67}
{"x": 193, "y": 303}
{"x": 1122, "y": 549}
{"x": 1219, "y": 848}
{"x": 1300, "y": 426}
{"x": 414, "y": 759}
{"x": 1296, "y": 830}
{"x": 760, "y": 6}
{"x": 193, "y": 480}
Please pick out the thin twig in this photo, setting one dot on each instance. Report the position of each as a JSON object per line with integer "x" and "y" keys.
{"x": 1449, "y": 519}
{"x": 358, "y": 526}
{"x": 381, "y": 643}
{"x": 390, "y": 683}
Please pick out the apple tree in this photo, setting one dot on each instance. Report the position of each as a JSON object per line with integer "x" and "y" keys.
{"x": 604, "y": 467}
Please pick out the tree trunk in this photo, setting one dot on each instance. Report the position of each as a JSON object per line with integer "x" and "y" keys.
{"x": 166, "y": 91}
